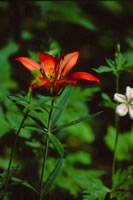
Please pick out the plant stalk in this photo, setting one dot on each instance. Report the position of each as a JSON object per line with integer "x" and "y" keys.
{"x": 117, "y": 132}
{"x": 13, "y": 149}
{"x": 15, "y": 141}
{"x": 45, "y": 152}
{"x": 115, "y": 145}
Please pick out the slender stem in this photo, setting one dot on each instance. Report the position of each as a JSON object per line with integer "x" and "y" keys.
{"x": 13, "y": 149}
{"x": 45, "y": 152}
{"x": 43, "y": 166}
{"x": 15, "y": 141}
{"x": 117, "y": 132}
{"x": 115, "y": 145}
{"x": 117, "y": 83}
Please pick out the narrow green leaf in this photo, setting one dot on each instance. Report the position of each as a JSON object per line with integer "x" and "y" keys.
{"x": 12, "y": 172}
{"x": 120, "y": 61}
{"x": 102, "y": 69}
{"x": 62, "y": 105}
{"x": 32, "y": 128}
{"x": 33, "y": 144}
{"x": 23, "y": 182}
{"x": 38, "y": 108}
{"x": 41, "y": 100}
{"x": 51, "y": 178}
{"x": 107, "y": 101}
{"x": 17, "y": 98}
{"x": 106, "y": 97}
{"x": 110, "y": 62}
{"x": 81, "y": 119}
{"x": 33, "y": 104}
{"x": 57, "y": 144}
{"x": 34, "y": 116}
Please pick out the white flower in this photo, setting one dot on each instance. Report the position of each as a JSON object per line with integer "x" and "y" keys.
{"x": 126, "y": 102}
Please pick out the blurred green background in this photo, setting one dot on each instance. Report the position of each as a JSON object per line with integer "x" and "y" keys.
{"x": 94, "y": 29}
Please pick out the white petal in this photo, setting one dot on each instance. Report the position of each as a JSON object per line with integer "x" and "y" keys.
{"x": 119, "y": 98}
{"x": 129, "y": 92}
{"x": 131, "y": 112}
{"x": 122, "y": 109}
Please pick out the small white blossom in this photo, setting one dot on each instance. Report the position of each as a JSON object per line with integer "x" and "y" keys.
{"x": 126, "y": 102}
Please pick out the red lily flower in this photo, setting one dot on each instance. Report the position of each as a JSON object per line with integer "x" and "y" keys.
{"x": 54, "y": 73}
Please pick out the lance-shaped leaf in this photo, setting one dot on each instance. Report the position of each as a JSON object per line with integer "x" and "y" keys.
{"x": 109, "y": 68}
{"x": 57, "y": 144}
{"x": 51, "y": 178}
{"x": 32, "y": 128}
{"x": 108, "y": 101}
{"x": 23, "y": 182}
{"x": 18, "y": 100}
{"x": 33, "y": 115}
{"x": 103, "y": 69}
{"x": 110, "y": 62}
{"x": 62, "y": 105}
{"x": 3, "y": 175}
{"x": 81, "y": 119}
{"x": 31, "y": 104}
{"x": 41, "y": 100}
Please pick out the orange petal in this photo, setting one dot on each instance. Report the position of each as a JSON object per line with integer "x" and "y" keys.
{"x": 84, "y": 76}
{"x": 60, "y": 84}
{"x": 44, "y": 82}
{"x": 28, "y": 63}
{"x": 66, "y": 82}
{"x": 49, "y": 64}
{"x": 68, "y": 62}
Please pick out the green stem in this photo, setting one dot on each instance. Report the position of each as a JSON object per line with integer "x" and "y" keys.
{"x": 45, "y": 152}
{"x": 15, "y": 141}
{"x": 115, "y": 145}
{"x": 117, "y": 83}
{"x": 13, "y": 149}
{"x": 43, "y": 166}
{"x": 117, "y": 133}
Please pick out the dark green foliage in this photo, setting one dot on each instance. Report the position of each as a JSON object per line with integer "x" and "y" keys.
{"x": 81, "y": 119}
{"x": 56, "y": 143}
{"x": 59, "y": 11}
{"x": 123, "y": 184}
{"x": 23, "y": 182}
{"x": 119, "y": 64}
{"x": 93, "y": 189}
{"x": 88, "y": 137}
{"x": 67, "y": 180}
{"x": 125, "y": 143}
{"x": 63, "y": 101}
{"x": 13, "y": 181}
{"x": 51, "y": 178}
{"x": 5, "y": 72}
{"x": 107, "y": 101}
